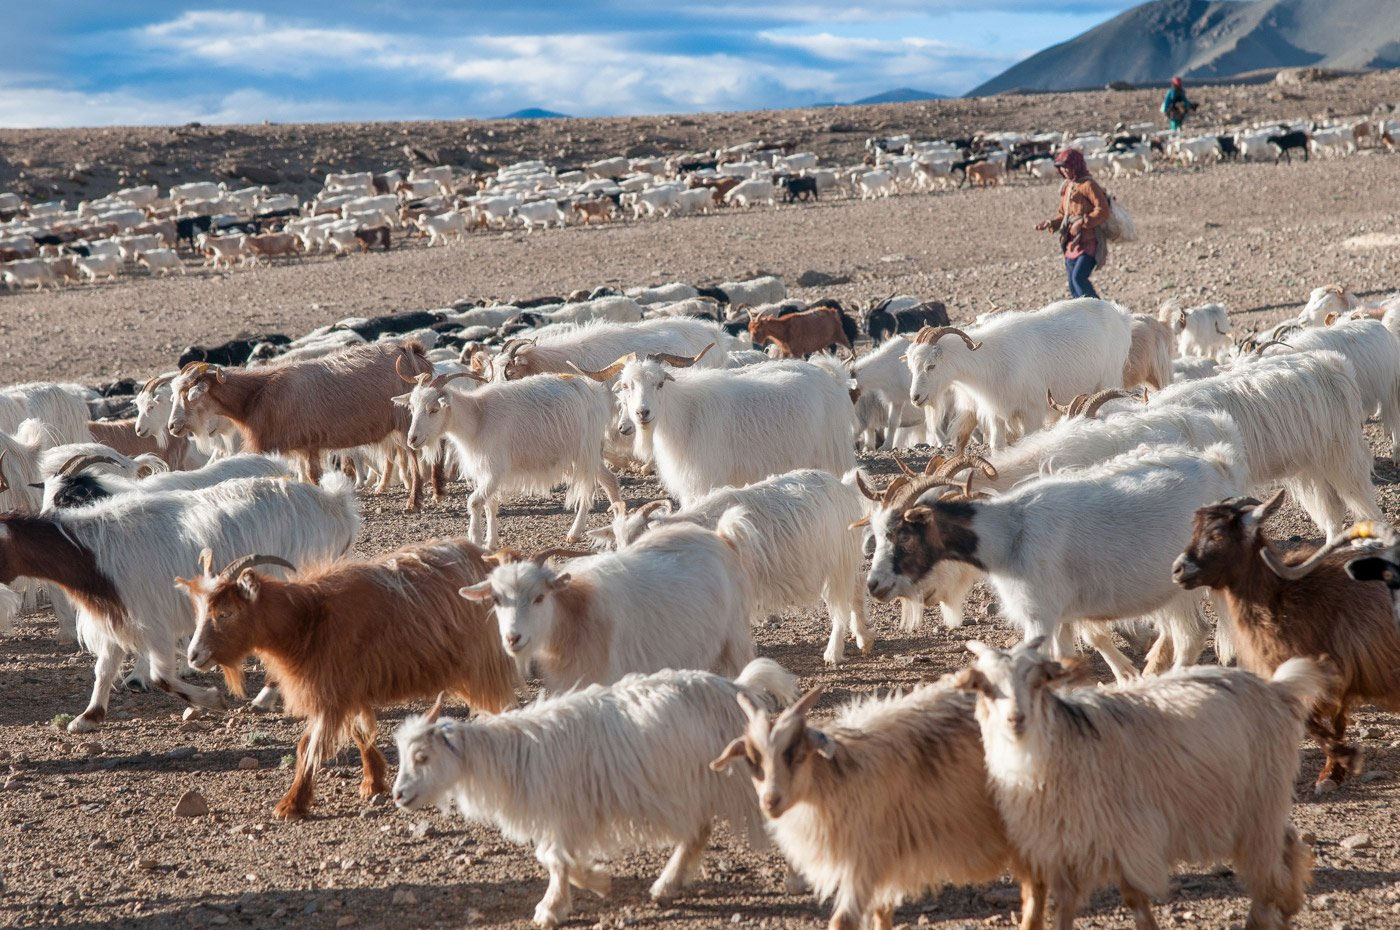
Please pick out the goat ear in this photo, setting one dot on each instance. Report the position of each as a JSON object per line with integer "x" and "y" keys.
{"x": 666, "y": 377}
{"x": 735, "y": 750}
{"x": 249, "y": 584}
{"x": 560, "y": 581}
{"x": 184, "y": 583}
{"x": 1267, "y": 509}
{"x": 970, "y": 679}
{"x": 821, "y": 744}
{"x": 481, "y": 591}
{"x": 145, "y": 471}
{"x": 1068, "y": 671}
{"x": 807, "y": 702}
{"x": 401, "y": 400}
{"x": 919, "y": 514}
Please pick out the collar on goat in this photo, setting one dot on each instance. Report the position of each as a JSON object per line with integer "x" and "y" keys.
{"x": 931, "y": 334}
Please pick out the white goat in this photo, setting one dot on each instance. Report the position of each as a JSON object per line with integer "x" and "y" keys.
{"x": 1200, "y": 331}
{"x": 1120, "y": 784}
{"x": 1006, "y": 365}
{"x": 676, "y": 599}
{"x": 593, "y": 772}
{"x": 707, "y": 429}
{"x": 793, "y": 535}
{"x": 115, "y": 559}
{"x": 520, "y": 436}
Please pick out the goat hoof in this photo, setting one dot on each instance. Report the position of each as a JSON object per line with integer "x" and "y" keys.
{"x": 136, "y": 683}
{"x": 288, "y": 811}
{"x": 546, "y": 918}
{"x": 84, "y": 723}
{"x": 1325, "y": 787}
{"x": 795, "y": 884}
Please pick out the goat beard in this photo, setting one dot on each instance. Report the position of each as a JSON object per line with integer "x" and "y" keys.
{"x": 233, "y": 677}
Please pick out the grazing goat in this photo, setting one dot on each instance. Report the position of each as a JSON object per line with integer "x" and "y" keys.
{"x": 594, "y": 345}
{"x": 1045, "y": 544}
{"x": 706, "y": 429}
{"x": 339, "y": 401}
{"x": 596, "y": 771}
{"x": 115, "y": 559}
{"x": 1201, "y": 331}
{"x": 793, "y": 535}
{"x": 348, "y": 636}
{"x": 887, "y": 801}
{"x": 516, "y": 436}
{"x": 1120, "y": 784}
{"x": 1005, "y": 365}
{"x": 1301, "y": 604}
{"x": 74, "y": 485}
{"x": 676, "y": 599}
{"x": 798, "y": 335}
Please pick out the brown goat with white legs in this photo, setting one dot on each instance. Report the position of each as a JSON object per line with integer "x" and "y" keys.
{"x": 888, "y": 800}
{"x": 338, "y": 401}
{"x": 345, "y": 638}
{"x": 1300, "y": 605}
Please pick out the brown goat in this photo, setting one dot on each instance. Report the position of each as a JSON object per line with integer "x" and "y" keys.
{"x": 1322, "y": 613}
{"x": 269, "y": 245}
{"x": 338, "y": 401}
{"x": 374, "y": 237}
{"x": 798, "y": 335}
{"x": 342, "y": 639}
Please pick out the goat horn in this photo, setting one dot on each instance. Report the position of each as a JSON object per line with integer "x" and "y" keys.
{"x": 436, "y": 710}
{"x": 4, "y": 484}
{"x": 78, "y": 462}
{"x": 443, "y": 380}
{"x": 1093, "y": 405}
{"x": 650, "y": 506}
{"x": 502, "y": 557}
{"x": 935, "y": 464}
{"x": 680, "y": 361}
{"x": 908, "y": 472}
{"x": 958, "y": 463}
{"x": 865, "y": 488}
{"x": 606, "y": 374}
{"x": 398, "y": 369}
{"x": 931, "y": 334}
{"x": 155, "y": 384}
{"x": 895, "y": 486}
{"x": 1050, "y": 399}
{"x": 1219, "y": 331}
{"x": 559, "y": 553}
{"x": 1364, "y": 530}
{"x": 206, "y": 561}
{"x": 513, "y": 345}
{"x": 197, "y": 367}
{"x": 1263, "y": 347}
{"x": 237, "y": 566}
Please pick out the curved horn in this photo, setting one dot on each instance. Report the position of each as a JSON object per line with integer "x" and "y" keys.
{"x": 206, "y": 561}
{"x": 934, "y": 466}
{"x": 513, "y": 345}
{"x": 1050, "y": 399}
{"x": 1218, "y": 330}
{"x": 1364, "y": 530}
{"x": 893, "y": 488}
{"x": 155, "y": 384}
{"x": 78, "y": 462}
{"x": 908, "y": 472}
{"x": 958, "y": 463}
{"x": 680, "y": 361}
{"x": 4, "y": 484}
{"x": 196, "y": 367}
{"x": 1095, "y": 403}
{"x": 436, "y": 710}
{"x": 606, "y": 374}
{"x": 650, "y": 507}
{"x": 865, "y": 488}
{"x": 398, "y": 369}
{"x": 931, "y": 334}
{"x": 559, "y": 553}
{"x": 1263, "y": 347}
{"x": 502, "y": 557}
{"x": 443, "y": 380}
{"x": 236, "y": 567}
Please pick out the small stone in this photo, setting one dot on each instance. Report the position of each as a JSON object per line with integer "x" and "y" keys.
{"x": 181, "y": 752}
{"x": 191, "y": 804}
{"x": 1371, "y": 733}
{"x": 1002, "y": 897}
{"x": 92, "y": 748}
{"x": 192, "y": 713}
{"x": 247, "y": 763}
{"x": 4, "y": 755}
{"x": 1374, "y": 775}
{"x": 1323, "y": 788}
{"x": 1322, "y": 902}
{"x": 737, "y": 918}
{"x": 218, "y": 919}
{"x": 346, "y": 921}
{"x": 146, "y": 863}
{"x": 347, "y": 864}
{"x": 404, "y": 896}
{"x": 1340, "y": 925}
{"x": 420, "y": 829}
{"x": 472, "y": 916}
{"x": 1357, "y": 841}
{"x": 311, "y": 906}
{"x": 1309, "y": 837}
{"x": 812, "y": 278}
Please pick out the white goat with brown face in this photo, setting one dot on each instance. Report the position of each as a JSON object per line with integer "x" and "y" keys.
{"x": 522, "y": 436}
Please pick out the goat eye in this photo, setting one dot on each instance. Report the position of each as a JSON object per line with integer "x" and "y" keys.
{"x": 539, "y": 598}
{"x": 420, "y": 758}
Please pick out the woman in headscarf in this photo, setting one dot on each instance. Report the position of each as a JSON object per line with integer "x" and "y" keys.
{"x": 1079, "y": 221}
{"x": 1175, "y": 105}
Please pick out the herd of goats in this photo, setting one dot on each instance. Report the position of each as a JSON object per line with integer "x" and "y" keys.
{"x": 47, "y": 244}
{"x": 1121, "y": 451}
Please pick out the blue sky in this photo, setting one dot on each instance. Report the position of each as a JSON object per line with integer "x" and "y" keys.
{"x": 83, "y": 63}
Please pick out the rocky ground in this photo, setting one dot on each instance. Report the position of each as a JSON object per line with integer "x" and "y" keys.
{"x": 86, "y": 824}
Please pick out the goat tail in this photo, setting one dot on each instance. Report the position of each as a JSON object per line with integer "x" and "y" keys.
{"x": 1304, "y": 680}
{"x": 768, "y": 681}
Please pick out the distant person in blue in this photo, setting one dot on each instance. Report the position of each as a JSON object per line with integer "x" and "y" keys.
{"x": 1175, "y": 104}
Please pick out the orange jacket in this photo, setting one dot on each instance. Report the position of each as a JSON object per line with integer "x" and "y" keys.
{"x": 1084, "y": 200}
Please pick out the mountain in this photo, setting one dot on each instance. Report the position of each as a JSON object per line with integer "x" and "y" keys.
{"x": 898, "y": 95}
{"x": 1210, "y": 40}
{"x": 534, "y": 113}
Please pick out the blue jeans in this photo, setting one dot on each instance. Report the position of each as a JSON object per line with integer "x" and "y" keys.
{"x": 1078, "y": 270}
